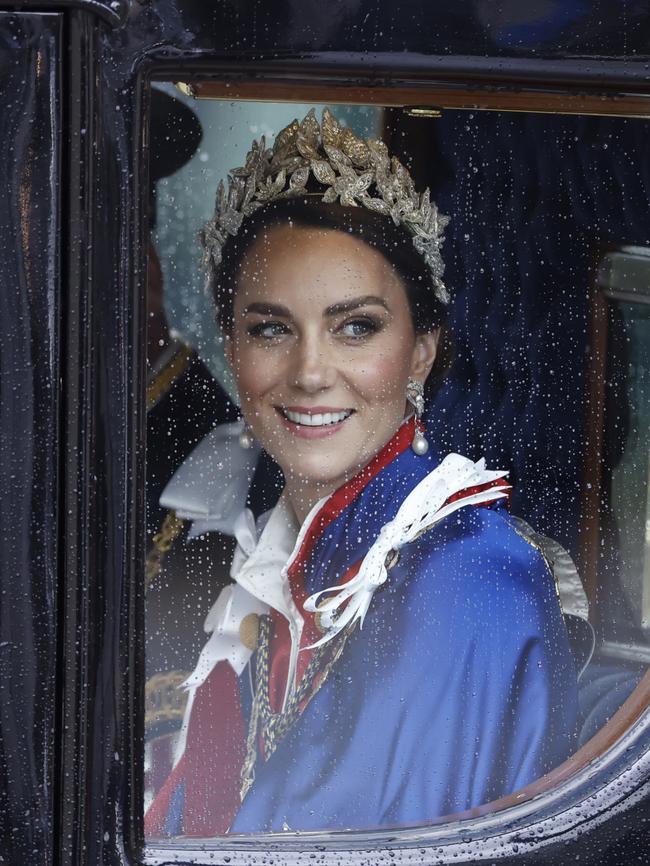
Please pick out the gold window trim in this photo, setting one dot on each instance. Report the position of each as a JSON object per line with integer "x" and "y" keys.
{"x": 423, "y": 100}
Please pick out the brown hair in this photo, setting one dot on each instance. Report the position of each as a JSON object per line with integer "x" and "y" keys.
{"x": 427, "y": 311}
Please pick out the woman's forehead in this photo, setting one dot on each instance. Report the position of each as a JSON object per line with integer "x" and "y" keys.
{"x": 321, "y": 266}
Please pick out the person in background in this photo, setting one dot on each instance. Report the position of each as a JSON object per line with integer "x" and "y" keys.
{"x": 184, "y": 403}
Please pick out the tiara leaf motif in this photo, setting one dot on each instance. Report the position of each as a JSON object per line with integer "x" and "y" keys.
{"x": 356, "y": 172}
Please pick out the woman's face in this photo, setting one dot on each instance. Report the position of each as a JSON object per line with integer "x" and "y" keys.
{"x": 321, "y": 348}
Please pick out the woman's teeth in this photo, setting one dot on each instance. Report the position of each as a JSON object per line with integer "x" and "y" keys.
{"x": 320, "y": 420}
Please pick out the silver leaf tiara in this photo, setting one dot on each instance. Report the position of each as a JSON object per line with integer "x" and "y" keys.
{"x": 352, "y": 170}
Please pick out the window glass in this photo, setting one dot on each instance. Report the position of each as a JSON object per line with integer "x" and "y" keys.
{"x": 397, "y": 467}
{"x": 630, "y": 503}
{"x": 624, "y": 279}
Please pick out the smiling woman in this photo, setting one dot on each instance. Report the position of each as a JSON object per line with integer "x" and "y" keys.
{"x": 322, "y": 345}
{"x": 461, "y": 686}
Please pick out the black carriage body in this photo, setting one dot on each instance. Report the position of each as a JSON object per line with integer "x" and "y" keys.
{"x": 73, "y": 110}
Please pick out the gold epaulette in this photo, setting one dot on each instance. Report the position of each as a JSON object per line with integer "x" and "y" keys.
{"x": 164, "y": 701}
{"x": 169, "y": 374}
{"x": 169, "y": 531}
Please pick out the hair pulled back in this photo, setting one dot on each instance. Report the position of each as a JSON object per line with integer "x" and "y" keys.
{"x": 428, "y": 313}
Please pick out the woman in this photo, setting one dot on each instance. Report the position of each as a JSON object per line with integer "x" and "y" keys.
{"x": 320, "y": 702}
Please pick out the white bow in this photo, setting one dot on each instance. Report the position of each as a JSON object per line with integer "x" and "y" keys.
{"x": 421, "y": 510}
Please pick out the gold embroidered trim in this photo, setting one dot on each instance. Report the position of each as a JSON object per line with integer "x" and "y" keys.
{"x": 542, "y": 552}
{"x": 164, "y": 701}
{"x": 167, "y": 376}
{"x": 169, "y": 531}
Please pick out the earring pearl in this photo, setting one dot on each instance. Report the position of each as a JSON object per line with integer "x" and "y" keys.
{"x": 420, "y": 444}
{"x": 246, "y": 438}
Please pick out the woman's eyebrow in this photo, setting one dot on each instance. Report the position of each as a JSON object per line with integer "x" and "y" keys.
{"x": 265, "y": 309}
{"x": 354, "y": 304}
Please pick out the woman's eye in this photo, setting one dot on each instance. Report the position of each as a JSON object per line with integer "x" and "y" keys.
{"x": 359, "y": 328}
{"x": 268, "y": 330}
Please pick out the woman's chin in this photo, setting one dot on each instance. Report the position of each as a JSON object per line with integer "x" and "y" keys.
{"x": 323, "y": 462}
{"x": 320, "y": 475}
{"x": 314, "y": 474}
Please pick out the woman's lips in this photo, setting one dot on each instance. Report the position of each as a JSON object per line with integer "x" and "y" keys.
{"x": 313, "y": 423}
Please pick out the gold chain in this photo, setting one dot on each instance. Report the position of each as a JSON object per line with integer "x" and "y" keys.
{"x": 275, "y": 726}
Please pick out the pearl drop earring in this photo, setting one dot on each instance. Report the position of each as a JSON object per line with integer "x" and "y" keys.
{"x": 415, "y": 396}
{"x": 246, "y": 438}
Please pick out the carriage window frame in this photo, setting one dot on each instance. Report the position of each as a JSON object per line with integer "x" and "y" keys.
{"x": 618, "y": 763}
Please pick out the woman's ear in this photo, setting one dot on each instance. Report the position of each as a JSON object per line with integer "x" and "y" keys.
{"x": 424, "y": 354}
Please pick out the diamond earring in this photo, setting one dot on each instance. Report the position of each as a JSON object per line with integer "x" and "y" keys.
{"x": 415, "y": 396}
{"x": 246, "y": 438}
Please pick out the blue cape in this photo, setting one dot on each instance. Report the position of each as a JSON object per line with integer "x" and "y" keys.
{"x": 459, "y": 689}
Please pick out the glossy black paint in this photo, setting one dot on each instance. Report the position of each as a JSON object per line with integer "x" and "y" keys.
{"x": 561, "y": 29}
{"x": 112, "y": 12}
{"x": 83, "y": 808}
{"x": 93, "y": 570}
{"x": 30, "y": 128}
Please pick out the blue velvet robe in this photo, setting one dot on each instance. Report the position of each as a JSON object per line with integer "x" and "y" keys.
{"x": 459, "y": 689}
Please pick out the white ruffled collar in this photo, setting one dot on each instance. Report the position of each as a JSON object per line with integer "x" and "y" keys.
{"x": 210, "y": 490}
{"x": 211, "y": 485}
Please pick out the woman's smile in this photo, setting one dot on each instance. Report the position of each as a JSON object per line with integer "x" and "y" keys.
{"x": 322, "y": 346}
{"x": 313, "y": 423}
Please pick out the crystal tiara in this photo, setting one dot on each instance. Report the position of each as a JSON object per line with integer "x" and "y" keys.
{"x": 354, "y": 171}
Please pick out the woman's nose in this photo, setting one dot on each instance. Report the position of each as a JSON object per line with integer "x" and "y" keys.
{"x": 312, "y": 369}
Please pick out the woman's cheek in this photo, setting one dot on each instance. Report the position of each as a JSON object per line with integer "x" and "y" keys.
{"x": 253, "y": 371}
{"x": 382, "y": 378}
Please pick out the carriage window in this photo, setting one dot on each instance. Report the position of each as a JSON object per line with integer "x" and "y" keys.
{"x": 397, "y": 460}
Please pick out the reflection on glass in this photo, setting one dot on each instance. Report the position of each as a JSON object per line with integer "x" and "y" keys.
{"x": 625, "y": 276}
{"x": 347, "y": 626}
{"x": 630, "y": 477}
